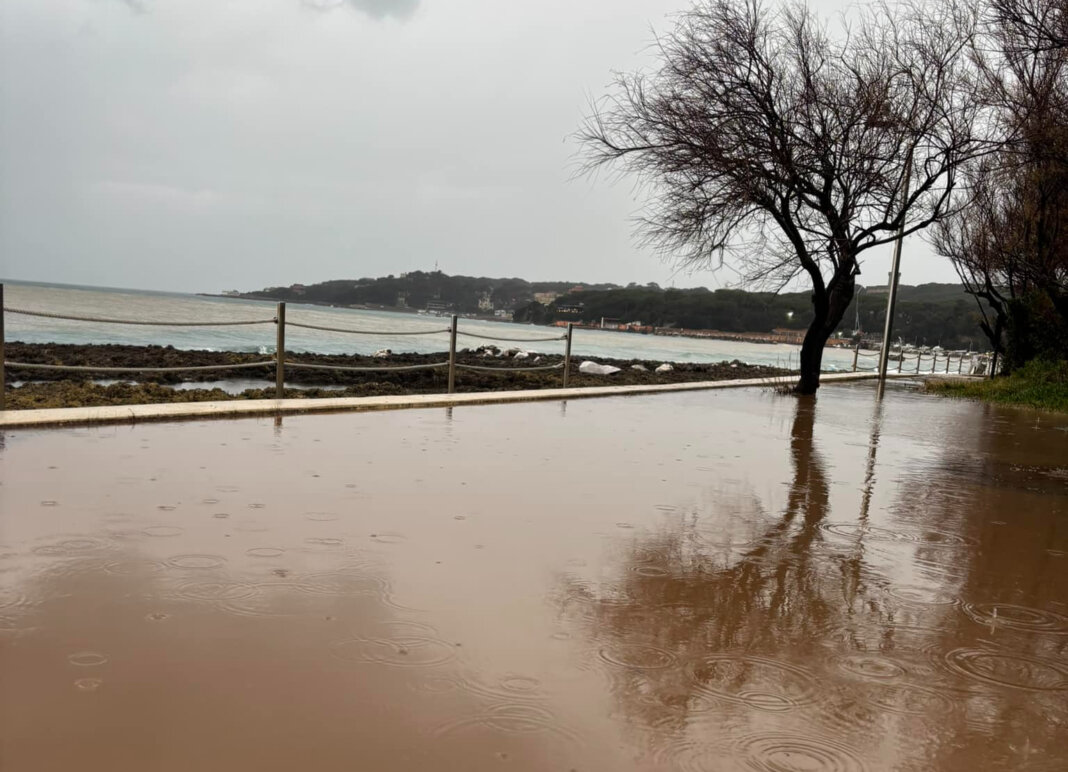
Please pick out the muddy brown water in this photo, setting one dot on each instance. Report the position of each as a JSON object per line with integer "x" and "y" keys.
{"x": 709, "y": 581}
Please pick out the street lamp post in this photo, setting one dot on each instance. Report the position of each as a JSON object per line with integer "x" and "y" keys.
{"x": 895, "y": 277}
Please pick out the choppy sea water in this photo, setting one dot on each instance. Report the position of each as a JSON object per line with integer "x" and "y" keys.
{"x": 176, "y": 307}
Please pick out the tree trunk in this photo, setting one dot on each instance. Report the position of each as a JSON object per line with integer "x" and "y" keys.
{"x": 812, "y": 358}
{"x": 829, "y": 310}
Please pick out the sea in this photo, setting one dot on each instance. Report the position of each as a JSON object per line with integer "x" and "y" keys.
{"x": 397, "y": 331}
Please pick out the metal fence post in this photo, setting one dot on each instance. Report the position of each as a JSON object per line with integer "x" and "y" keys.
{"x": 567, "y": 353}
{"x": 934, "y": 362}
{"x": 900, "y": 360}
{"x": 856, "y": 353}
{"x": 3, "y": 377}
{"x": 280, "y": 353}
{"x": 919, "y": 358}
{"x": 948, "y": 359}
{"x": 960, "y": 364}
{"x": 452, "y": 356}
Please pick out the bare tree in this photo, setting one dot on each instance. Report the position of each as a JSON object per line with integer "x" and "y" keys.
{"x": 979, "y": 241}
{"x": 1009, "y": 243}
{"x": 1038, "y": 25}
{"x": 764, "y": 138}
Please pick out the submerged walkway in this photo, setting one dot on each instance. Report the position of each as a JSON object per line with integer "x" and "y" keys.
{"x": 108, "y": 414}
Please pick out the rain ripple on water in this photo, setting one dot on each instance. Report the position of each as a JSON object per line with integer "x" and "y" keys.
{"x": 1033, "y": 620}
{"x": 783, "y": 752}
{"x": 757, "y": 682}
{"x": 397, "y": 644}
{"x": 1003, "y": 668}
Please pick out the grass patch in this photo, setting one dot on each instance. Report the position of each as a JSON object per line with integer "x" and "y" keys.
{"x": 1042, "y": 385}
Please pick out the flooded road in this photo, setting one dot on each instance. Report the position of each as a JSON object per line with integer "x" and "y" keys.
{"x": 728, "y": 580}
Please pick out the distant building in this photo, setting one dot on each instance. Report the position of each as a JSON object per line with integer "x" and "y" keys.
{"x": 437, "y": 306}
{"x": 485, "y": 301}
{"x": 503, "y": 313}
{"x": 298, "y": 289}
{"x": 571, "y": 308}
{"x": 545, "y": 298}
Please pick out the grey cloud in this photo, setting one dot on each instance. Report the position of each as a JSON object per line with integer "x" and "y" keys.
{"x": 376, "y": 9}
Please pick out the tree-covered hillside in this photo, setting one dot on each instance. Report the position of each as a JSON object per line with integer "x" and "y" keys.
{"x": 422, "y": 289}
{"x": 928, "y": 314}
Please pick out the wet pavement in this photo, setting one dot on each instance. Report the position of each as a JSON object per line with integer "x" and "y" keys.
{"x": 727, "y": 580}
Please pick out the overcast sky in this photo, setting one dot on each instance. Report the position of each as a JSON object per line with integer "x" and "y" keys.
{"x": 204, "y": 145}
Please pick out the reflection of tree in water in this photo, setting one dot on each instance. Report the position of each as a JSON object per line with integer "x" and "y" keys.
{"x": 843, "y": 630}
{"x": 783, "y": 592}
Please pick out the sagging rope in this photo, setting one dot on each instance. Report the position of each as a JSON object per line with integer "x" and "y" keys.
{"x": 510, "y": 340}
{"x": 363, "y": 332}
{"x": 135, "y": 321}
{"x": 309, "y": 366}
{"x": 89, "y": 369}
{"x": 480, "y": 368}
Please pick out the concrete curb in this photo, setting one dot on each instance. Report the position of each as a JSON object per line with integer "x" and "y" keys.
{"x": 111, "y": 414}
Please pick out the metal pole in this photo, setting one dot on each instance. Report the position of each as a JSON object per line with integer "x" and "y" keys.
{"x": 452, "y": 356}
{"x": 960, "y": 364}
{"x": 856, "y": 353}
{"x": 900, "y": 360}
{"x": 919, "y": 358}
{"x": 895, "y": 275}
{"x": 280, "y": 353}
{"x": 934, "y": 362}
{"x": 567, "y": 353}
{"x": 949, "y": 358}
{"x": 3, "y": 379}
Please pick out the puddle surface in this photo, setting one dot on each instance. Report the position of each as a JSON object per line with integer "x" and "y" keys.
{"x": 721, "y": 581}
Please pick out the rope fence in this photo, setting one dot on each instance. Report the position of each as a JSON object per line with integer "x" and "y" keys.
{"x": 102, "y": 320}
{"x": 352, "y": 369}
{"x": 482, "y": 369}
{"x": 91, "y": 369}
{"x": 978, "y": 364}
{"x": 510, "y": 340}
{"x": 280, "y": 362}
{"x": 371, "y": 332}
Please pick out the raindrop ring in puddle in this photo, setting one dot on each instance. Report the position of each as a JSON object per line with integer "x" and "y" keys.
{"x": 398, "y": 651}
{"x": 781, "y": 752}
{"x": 1013, "y": 617}
{"x": 910, "y": 700}
{"x": 215, "y": 591}
{"x": 636, "y": 655}
{"x": 921, "y": 596}
{"x": 70, "y": 547}
{"x": 198, "y": 562}
{"x": 87, "y": 659}
{"x": 1003, "y": 668}
{"x": 871, "y": 667}
{"x": 514, "y": 719}
{"x": 758, "y": 682}
{"x": 265, "y": 552}
{"x": 163, "y": 530}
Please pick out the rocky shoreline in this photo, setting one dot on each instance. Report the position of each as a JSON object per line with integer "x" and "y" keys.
{"x": 49, "y": 389}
